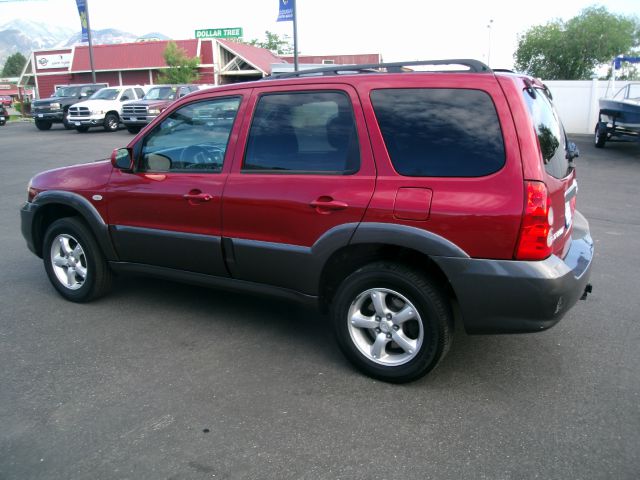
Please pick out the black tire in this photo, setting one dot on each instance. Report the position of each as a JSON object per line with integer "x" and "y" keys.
{"x": 134, "y": 130}
{"x": 600, "y": 135}
{"x": 111, "y": 122}
{"x": 65, "y": 121}
{"x": 83, "y": 274}
{"x": 418, "y": 292}
{"x": 43, "y": 125}
{"x": 82, "y": 129}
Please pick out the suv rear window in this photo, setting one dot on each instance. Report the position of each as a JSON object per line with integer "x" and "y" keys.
{"x": 440, "y": 132}
{"x": 550, "y": 133}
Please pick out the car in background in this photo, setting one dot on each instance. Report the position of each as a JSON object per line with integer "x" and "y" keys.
{"x": 6, "y": 100}
{"x": 103, "y": 108}
{"x": 55, "y": 109}
{"x": 4, "y": 116}
{"x": 137, "y": 114}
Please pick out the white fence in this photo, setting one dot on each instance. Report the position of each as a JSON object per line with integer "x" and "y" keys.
{"x": 577, "y": 102}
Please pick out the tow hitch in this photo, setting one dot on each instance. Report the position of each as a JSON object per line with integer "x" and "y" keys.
{"x": 587, "y": 290}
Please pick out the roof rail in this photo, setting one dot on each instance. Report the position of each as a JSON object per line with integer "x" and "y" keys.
{"x": 395, "y": 67}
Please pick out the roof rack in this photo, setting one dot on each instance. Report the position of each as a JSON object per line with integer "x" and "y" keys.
{"x": 395, "y": 67}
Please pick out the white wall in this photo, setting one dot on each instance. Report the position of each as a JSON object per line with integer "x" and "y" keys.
{"x": 577, "y": 102}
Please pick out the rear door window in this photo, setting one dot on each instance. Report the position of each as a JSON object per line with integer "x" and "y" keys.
{"x": 550, "y": 133}
{"x": 303, "y": 132}
{"x": 440, "y": 132}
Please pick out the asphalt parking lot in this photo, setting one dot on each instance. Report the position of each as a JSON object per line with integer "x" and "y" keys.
{"x": 166, "y": 381}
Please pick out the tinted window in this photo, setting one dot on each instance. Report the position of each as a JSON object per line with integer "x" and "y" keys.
{"x": 439, "y": 132}
{"x": 303, "y": 132}
{"x": 550, "y": 133}
{"x": 193, "y": 138}
{"x": 139, "y": 92}
{"x": 128, "y": 93}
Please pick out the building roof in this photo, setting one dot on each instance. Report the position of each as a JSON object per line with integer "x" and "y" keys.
{"x": 258, "y": 57}
{"x": 119, "y": 56}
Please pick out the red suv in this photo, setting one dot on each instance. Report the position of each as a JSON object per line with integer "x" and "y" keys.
{"x": 399, "y": 201}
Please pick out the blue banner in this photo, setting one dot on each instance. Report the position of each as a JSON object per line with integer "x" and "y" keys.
{"x": 285, "y": 14}
{"x": 82, "y": 11}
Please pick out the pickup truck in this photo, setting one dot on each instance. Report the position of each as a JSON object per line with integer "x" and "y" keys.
{"x": 103, "y": 108}
{"x": 55, "y": 108}
{"x": 137, "y": 114}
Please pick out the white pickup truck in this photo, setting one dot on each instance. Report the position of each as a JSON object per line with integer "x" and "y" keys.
{"x": 103, "y": 108}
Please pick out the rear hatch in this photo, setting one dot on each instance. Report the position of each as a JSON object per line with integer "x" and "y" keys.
{"x": 558, "y": 173}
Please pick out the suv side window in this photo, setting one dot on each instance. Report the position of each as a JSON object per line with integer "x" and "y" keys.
{"x": 191, "y": 139}
{"x": 550, "y": 133}
{"x": 127, "y": 95}
{"x": 305, "y": 132}
{"x": 440, "y": 132}
{"x": 139, "y": 92}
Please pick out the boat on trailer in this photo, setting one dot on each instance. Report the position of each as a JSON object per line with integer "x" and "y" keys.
{"x": 619, "y": 116}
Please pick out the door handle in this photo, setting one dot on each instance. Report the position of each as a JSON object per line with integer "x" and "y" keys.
{"x": 198, "y": 197}
{"x": 327, "y": 204}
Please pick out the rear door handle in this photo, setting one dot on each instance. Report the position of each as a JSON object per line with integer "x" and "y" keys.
{"x": 327, "y": 204}
{"x": 198, "y": 197}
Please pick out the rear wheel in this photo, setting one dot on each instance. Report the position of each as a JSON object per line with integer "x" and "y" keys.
{"x": 73, "y": 261}
{"x": 111, "y": 122}
{"x": 600, "y": 135}
{"x": 392, "y": 322}
{"x": 43, "y": 124}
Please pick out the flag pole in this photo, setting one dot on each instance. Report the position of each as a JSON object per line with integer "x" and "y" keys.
{"x": 93, "y": 70}
{"x": 295, "y": 37}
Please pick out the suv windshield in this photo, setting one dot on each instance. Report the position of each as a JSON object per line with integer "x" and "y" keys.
{"x": 106, "y": 94}
{"x": 550, "y": 133}
{"x": 161, "y": 93}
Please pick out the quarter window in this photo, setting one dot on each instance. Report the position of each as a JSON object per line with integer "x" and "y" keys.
{"x": 550, "y": 133}
{"x": 440, "y": 132}
{"x": 308, "y": 132}
{"x": 192, "y": 139}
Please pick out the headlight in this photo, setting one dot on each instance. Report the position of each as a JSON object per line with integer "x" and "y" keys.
{"x": 154, "y": 111}
{"x": 54, "y": 106}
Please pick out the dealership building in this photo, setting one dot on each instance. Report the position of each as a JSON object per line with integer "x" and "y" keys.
{"x": 222, "y": 61}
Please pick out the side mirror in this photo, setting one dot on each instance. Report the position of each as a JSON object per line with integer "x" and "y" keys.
{"x": 572, "y": 151}
{"x": 124, "y": 98}
{"x": 122, "y": 159}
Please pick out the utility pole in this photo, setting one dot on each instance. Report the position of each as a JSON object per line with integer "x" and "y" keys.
{"x": 93, "y": 69}
{"x": 489, "y": 51}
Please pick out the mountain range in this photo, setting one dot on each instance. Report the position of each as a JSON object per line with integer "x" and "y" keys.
{"x": 24, "y": 36}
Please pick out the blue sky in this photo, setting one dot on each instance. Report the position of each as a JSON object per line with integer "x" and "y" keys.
{"x": 400, "y": 30}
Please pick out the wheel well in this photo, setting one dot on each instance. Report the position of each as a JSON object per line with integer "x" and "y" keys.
{"x": 48, "y": 214}
{"x": 348, "y": 259}
{"x": 112, "y": 112}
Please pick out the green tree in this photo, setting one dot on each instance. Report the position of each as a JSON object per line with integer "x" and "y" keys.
{"x": 182, "y": 69}
{"x": 273, "y": 42}
{"x": 572, "y": 50}
{"x": 14, "y": 65}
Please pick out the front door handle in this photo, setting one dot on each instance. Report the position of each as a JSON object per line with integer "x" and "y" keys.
{"x": 327, "y": 204}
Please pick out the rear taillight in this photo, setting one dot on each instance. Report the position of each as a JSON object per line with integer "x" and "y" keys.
{"x": 534, "y": 241}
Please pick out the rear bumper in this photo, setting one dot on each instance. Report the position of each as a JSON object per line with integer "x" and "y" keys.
{"x": 502, "y": 296}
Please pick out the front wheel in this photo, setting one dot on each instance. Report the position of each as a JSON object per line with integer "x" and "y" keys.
{"x": 133, "y": 130}
{"x": 65, "y": 121}
{"x": 43, "y": 124}
{"x": 392, "y": 322}
{"x": 111, "y": 122}
{"x": 73, "y": 261}
{"x": 82, "y": 129}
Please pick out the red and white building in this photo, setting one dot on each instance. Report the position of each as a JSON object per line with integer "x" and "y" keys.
{"x": 140, "y": 63}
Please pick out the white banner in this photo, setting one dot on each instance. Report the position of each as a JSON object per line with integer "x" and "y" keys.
{"x": 58, "y": 60}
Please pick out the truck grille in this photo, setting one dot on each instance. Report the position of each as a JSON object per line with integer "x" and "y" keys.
{"x": 135, "y": 110}
{"x": 79, "y": 111}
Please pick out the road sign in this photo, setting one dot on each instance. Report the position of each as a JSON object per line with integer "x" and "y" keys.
{"x": 219, "y": 33}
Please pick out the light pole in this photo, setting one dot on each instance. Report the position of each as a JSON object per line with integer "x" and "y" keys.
{"x": 489, "y": 25}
